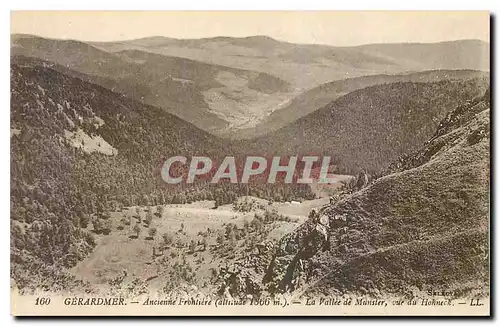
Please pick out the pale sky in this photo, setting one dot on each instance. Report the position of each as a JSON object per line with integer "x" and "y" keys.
{"x": 341, "y": 28}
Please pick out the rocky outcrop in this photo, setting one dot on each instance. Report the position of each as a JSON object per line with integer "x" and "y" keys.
{"x": 290, "y": 267}
{"x": 243, "y": 277}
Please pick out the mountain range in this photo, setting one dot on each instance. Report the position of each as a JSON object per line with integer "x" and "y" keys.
{"x": 309, "y": 65}
{"x": 91, "y": 123}
{"x": 239, "y": 87}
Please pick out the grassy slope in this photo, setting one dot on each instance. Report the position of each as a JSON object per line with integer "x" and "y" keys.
{"x": 420, "y": 228}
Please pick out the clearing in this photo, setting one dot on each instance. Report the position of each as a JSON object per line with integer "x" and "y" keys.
{"x": 198, "y": 244}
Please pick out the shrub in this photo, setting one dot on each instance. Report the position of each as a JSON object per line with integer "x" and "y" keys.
{"x": 106, "y": 226}
{"x": 149, "y": 218}
{"x": 192, "y": 247}
{"x": 84, "y": 220}
{"x": 159, "y": 211}
{"x": 167, "y": 239}
{"x": 137, "y": 229}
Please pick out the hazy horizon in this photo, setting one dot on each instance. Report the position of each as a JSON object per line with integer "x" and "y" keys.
{"x": 241, "y": 37}
{"x": 334, "y": 28}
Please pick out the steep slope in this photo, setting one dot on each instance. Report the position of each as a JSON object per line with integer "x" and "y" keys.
{"x": 421, "y": 227}
{"x": 369, "y": 128}
{"x": 309, "y": 65}
{"x": 320, "y": 96}
{"x": 213, "y": 97}
{"x": 79, "y": 149}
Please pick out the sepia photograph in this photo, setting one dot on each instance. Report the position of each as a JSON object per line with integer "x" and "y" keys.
{"x": 250, "y": 163}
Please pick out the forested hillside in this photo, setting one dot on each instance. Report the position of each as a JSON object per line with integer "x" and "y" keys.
{"x": 79, "y": 151}
{"x": 369, "y": 128}
{"x": 316, "y": 98}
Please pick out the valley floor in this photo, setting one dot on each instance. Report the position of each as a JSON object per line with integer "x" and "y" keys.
{"x": 123, "y": 262}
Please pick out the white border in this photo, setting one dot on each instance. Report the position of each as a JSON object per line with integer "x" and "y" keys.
{"x": 186, "y": 5}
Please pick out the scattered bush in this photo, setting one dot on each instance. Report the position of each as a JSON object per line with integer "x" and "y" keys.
{"x": 137, "y": 230}
{"x": 152, "y": 232}
{"x": 149, "y": 218}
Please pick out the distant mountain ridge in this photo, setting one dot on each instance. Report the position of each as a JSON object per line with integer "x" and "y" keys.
{"x": 242, "y": 87}
{"x": 309, "y": 65}
{"x": 212, "y": 97}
